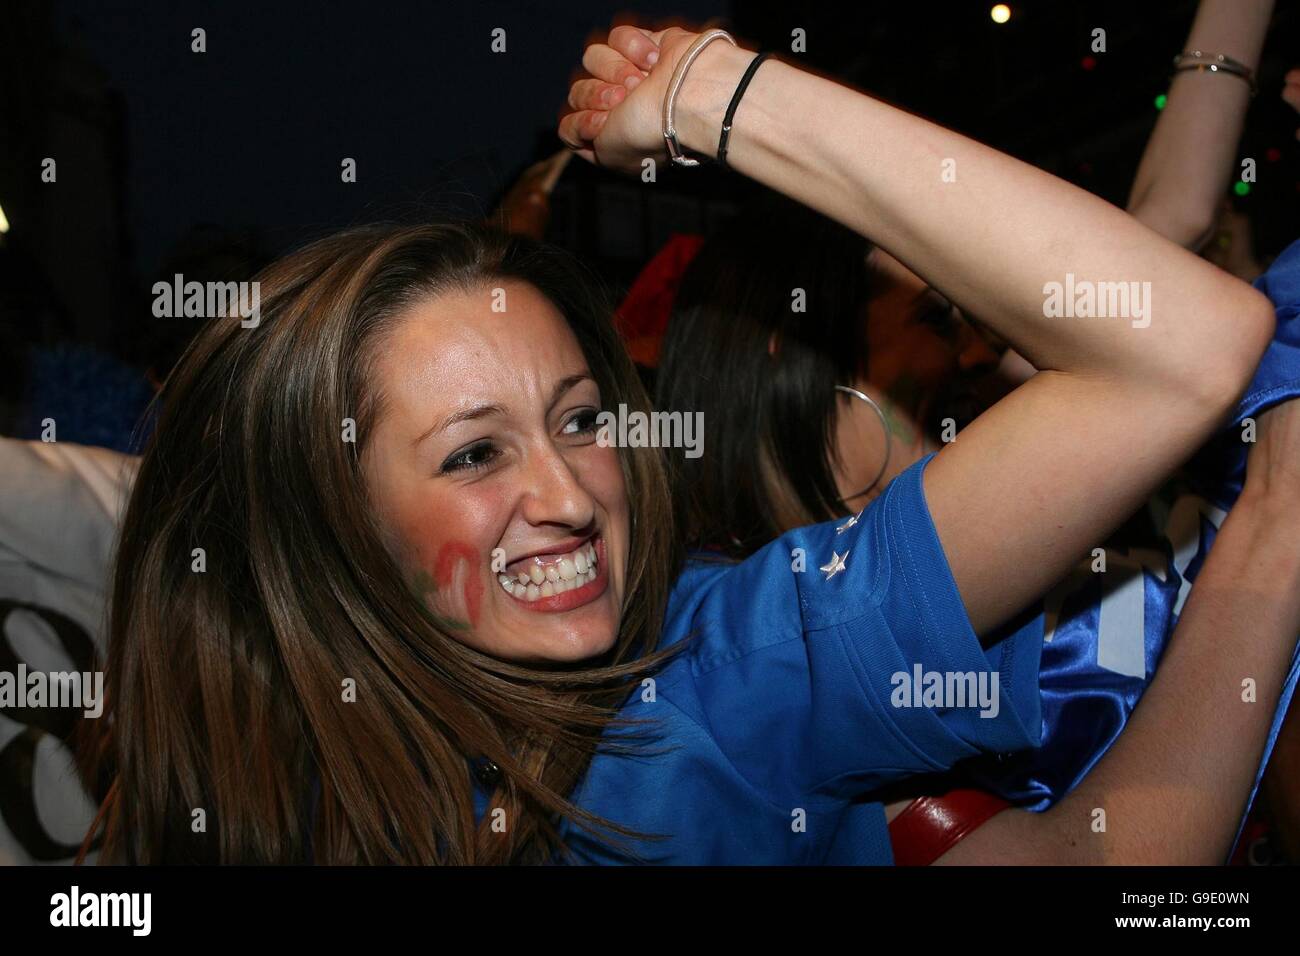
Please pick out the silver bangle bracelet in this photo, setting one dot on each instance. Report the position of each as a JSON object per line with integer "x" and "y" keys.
{"x": 1215, "y": 63}
{"x": 674, "y": 86}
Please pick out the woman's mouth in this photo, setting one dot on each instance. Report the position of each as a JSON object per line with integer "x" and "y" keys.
{"x": 559, "y": 582}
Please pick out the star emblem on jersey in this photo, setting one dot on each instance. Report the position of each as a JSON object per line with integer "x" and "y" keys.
{"x": 836, "y": 564}
{"x": 848, "y": 524}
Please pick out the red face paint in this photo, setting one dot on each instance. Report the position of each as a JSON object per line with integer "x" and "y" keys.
{"x": 444, "y": 572}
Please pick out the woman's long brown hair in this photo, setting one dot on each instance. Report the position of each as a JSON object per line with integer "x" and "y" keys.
{"x": 227, "y": 736}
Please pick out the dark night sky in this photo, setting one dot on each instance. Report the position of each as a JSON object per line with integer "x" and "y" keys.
{"x": 253, "y": 131}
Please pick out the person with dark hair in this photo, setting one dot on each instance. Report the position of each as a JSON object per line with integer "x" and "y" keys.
{"x": 798, "y": 338}
{"x": 386, "y": 593}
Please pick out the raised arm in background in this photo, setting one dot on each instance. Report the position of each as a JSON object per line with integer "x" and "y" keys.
{"x": 1192, "y": 153}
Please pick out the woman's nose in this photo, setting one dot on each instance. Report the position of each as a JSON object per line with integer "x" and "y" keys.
{"x": 555, "y": 494}
{"x": 977, "y": 356}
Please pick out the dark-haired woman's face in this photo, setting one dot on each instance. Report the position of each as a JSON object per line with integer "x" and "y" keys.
{"x": 923, "y": 358}
{"x": 919, "y": 346}
{"x": 486, "y": 474}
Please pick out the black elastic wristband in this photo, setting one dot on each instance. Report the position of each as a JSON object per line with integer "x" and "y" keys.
{"x": 754, "y": 64}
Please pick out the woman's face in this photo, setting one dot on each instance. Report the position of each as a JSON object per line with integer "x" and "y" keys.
{"x": 922, "y": 355}
{"x": 486, "y": 474}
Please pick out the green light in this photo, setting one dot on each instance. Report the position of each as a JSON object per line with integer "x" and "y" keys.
{"x": 1161, "y": 100}
{"x": 1241, "y": 189}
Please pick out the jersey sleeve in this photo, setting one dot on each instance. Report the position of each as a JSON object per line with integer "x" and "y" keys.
{"x": 840, "y": 658}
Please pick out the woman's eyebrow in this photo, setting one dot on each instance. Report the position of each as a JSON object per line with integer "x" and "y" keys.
{"x": 930, "y": 292}
{"x": 464, "y": 415}
{"x": 564, "y": 384}
{"x": 483, "y": 411}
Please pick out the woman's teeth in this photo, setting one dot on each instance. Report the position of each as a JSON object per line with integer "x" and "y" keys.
{"x": 538, "y": 581}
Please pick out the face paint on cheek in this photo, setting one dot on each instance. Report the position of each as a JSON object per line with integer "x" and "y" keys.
{"x": 455, "y": 573}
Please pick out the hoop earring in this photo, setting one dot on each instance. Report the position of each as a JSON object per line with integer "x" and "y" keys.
{"x": 884, "y": 423}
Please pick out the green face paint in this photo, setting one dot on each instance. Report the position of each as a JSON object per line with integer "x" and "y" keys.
{"x": 423, "y": 584}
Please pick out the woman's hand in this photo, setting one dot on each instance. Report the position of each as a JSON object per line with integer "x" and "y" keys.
{"x": 616, "y": 119}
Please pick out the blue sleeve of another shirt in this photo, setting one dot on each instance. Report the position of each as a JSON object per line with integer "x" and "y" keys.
{"x": 807, "y": 679}
{"x": 1219, "y": 469}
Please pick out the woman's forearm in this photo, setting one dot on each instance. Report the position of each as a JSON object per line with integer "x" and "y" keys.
{"x": 987, "y": 230}
{"x": 1192, "y": 152}
{"x": 1173, "y": 787}
{"x": 1201, "y": 726}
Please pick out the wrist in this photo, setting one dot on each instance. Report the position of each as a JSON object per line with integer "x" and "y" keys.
{"x": 1271, "y": 517}
{"x": 705, "y": 94}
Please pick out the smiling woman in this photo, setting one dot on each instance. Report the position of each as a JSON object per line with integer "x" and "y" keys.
{"x": 333, "y": 564}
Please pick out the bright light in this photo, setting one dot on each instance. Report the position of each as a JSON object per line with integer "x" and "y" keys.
{"x": 1000, "y": 13}
{"x": 4, "y": 223}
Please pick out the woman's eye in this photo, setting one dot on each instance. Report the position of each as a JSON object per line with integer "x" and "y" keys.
{"x": 583, "y": 423}
{"x": 940, "y": 319}
{"x": 473, "y": 457}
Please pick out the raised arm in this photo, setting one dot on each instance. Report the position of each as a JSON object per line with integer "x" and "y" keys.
{"x": 1048, "y": 472}
{"x": 1192, "y": 153}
